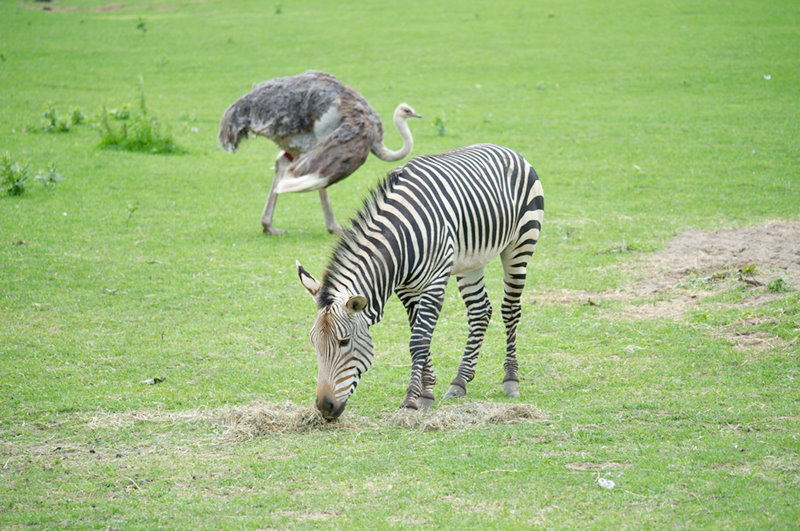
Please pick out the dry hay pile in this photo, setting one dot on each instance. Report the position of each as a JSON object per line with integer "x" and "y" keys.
{"x": 461, "y": 416}
{"x": 262, "y": 418}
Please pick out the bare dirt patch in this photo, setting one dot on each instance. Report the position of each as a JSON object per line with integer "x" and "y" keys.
{"x": 697, "y": 264}
{"x": 584, "y": 466}
{"x": 774, "y": 248}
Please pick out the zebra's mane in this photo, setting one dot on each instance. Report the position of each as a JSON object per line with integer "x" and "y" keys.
{"x": 350, "y": 242}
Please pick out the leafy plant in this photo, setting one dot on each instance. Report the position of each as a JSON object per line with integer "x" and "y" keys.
{"x": 51, "y": 177}
{"x": 77, "y": 116}
{"x": 132, "y": 208}
{"x": 139, "y": 132}
{"x": 52, "y": 122}
{"x": 13, "y": 175}
{"x": 747, "y": 274}
{"x": 707, "y": 281}
{"x": 779, "y": 285}
{"x": 440, "y": 125}
{"x": 123, "y": 113}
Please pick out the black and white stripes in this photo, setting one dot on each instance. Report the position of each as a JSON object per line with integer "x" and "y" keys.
{"x": 439, "y": 215}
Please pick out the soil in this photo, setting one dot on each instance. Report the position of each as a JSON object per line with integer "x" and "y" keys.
{"x": 773, "y": 248}
{"x": 695, "y": 264}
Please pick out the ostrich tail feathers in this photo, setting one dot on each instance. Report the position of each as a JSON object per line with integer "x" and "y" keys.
{"x": 302, "y": 183}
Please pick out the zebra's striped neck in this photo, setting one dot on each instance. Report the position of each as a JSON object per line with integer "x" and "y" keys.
{"x": 365, "y": 262}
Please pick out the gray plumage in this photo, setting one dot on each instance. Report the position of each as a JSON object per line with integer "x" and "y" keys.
{"x": 325, "y": 129}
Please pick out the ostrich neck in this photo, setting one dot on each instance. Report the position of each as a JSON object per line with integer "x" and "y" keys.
{"x": 408, "y": 143}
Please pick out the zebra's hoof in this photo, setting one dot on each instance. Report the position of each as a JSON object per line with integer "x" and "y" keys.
{"x": 455, "y": 392}
{"x": 425, "y": 402}
{"x": 511, "y": 388}
{"x": 409, "y": 404}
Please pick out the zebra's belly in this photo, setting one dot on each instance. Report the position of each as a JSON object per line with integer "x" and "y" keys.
{"x": 470, "y": 261}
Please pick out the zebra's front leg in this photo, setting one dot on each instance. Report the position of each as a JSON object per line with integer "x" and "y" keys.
{"x": 479, "y": 312}
{"x": 420, "y": 387}
{"x": 426, "y": 398}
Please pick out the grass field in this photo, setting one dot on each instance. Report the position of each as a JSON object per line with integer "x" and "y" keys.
{"x": 643, "y": 120}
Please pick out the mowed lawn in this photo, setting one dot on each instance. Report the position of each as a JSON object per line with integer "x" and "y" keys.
{"x": 142, "y": 309}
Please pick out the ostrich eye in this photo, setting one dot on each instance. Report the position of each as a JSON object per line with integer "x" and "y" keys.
{"x": 343, "y": 343}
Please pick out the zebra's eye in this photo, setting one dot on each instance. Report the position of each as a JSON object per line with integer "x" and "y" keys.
{"x": 343, "y": 343}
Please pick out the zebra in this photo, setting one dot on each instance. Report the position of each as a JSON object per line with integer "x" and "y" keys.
{"x": 436, "y": 216}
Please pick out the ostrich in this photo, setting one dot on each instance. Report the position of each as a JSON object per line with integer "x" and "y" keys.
{"x": 325, "y": 129}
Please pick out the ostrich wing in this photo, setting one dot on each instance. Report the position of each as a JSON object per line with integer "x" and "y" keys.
{"x": 279, "y": 109}
{"x": 335, "y": 157}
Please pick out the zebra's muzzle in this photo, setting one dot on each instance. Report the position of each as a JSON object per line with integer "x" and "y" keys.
{"x": 329, "y": 408}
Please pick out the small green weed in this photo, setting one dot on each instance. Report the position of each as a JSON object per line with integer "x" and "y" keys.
{"x": 52, "y": 122}
{"x": 51, "y": 177}
{"x": 747, "y": 274}
{"x": 77, "y": 117}
{"x": 13, "y": 175}
{"x": 440, "y": 125}
{"x": 123, "y": 113}
{"x": 779, "y": 285}
{"x": 622, "y": 248}
{"x": 132, "y": 208}
{"x": 707, "y": 281}
{"x": 138, "y": 132}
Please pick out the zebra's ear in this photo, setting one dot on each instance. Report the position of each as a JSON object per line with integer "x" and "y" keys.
{"x": 356, "y": 304}
{"x": 308, "y": 281}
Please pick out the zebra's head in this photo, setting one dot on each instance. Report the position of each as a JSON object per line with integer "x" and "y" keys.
{"x": 342, "y": 342}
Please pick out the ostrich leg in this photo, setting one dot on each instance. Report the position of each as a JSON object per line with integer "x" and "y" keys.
{"x": 281, "y": 164}
{"x": 327, "y": 210}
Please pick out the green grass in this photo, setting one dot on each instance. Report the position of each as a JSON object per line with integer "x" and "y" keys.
{"x": 643, "y": 120}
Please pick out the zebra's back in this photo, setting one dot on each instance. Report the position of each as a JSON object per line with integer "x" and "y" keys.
{"x": 477, "y": 199}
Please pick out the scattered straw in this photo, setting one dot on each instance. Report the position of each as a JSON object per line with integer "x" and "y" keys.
{"x": 262, "y": 418}
{"x": 460, "y": 416}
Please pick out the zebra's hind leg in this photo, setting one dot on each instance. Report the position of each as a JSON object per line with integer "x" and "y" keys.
{"x": 479, "y": 312}
{"x": 514, "y": 263}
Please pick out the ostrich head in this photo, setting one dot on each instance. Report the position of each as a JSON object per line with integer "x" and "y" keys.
{"x": 404, "y": 112}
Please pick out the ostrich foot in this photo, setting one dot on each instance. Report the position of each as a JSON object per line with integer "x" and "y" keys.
{"x": 511, "y": 388}
{"x": 269, "y": 229}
